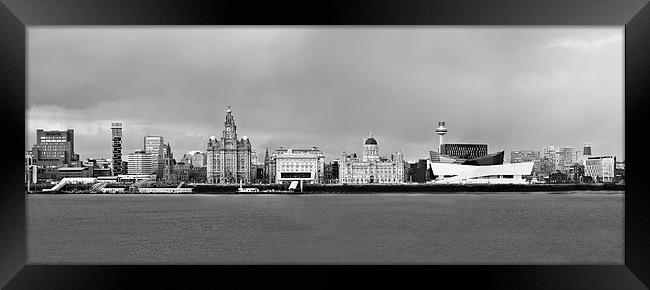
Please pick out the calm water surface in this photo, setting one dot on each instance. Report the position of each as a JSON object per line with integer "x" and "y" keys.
{"x": 535, "y": 228}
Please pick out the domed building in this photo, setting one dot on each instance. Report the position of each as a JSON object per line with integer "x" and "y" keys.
{"x": 371, "y": 168}
{"x": 229, "y": 159}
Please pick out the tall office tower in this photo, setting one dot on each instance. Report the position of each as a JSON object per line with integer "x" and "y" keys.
{"x": 154, "y": 146}
{"x": 116, "y": 132}
{"x": 441, "y": 130}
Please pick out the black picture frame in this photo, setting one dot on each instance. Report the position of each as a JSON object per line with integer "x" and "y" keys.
{"x": 17, "y": 15}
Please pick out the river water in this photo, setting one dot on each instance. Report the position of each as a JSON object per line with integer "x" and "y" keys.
{"x": 505, "y": 228}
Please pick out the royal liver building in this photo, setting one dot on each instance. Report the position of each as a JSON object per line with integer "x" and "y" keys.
{"x": 229, "y": 159}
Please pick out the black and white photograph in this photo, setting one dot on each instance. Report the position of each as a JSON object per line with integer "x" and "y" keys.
{"x": 214, "y": 145}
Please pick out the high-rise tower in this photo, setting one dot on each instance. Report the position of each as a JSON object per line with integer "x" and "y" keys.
{"x": 116, "y": 132}
{"x": 586, "y": 151}
{"x": 441, "y": 130}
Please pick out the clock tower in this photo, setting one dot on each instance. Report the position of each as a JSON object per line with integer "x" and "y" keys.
{"x": 230, "y": 130}
{"x": 229, "y": 159}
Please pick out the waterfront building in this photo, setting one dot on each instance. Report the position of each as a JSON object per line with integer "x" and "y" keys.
{"x": 267, "y": 165}
{"x": 559, "y": 158}
{"x": 98, "y": 167}
{"x": 140, "y": 163}
{"x": 168, "y": 163}
{"x": 370, "y": 168}
{"x": 154, "y": 145}
{"x": 417, "y": 171}
{"x": 331, "y": 172}
{"x": 534, "y": 156}
{"x": 288, "y": 165}
{"x": 601, "y": 168}
{"x": 465, "y": 151}
{"x": 199, "y": 159}
{"x": 30, "y": 168}
{"x": 620, "y": 171}
{"x": 229, "y": 159}
{"x": 116, "y": 133}
{"x": 73, "y": 172}
{"x": 180, "y": 172}
{"x": 449, "y": 173}
{"x": 53, "y": 149}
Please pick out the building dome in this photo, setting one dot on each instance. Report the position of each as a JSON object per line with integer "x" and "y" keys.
{"x": 213, "y": 138}
{"x": 371, "y": 141}
{"x": 245, "y": 138}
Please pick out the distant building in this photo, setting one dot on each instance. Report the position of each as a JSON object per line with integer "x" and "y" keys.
{"x": 98, "y": 167}
{"x": 370, "y": 168}
{"x": 559, "y": 158}
{"x": 586, "y": 150}
{"x": 168, "y": 163}
{"x": 229, "y": 159}
{"x": 418, "y": 172}
{"x": 53, "y": 149}
{"x": 70, "y": 172}
{"x": 116, "y": 133}
{"x": 601, "y": 169}
{"x": 180, "y": 172}
{"x": 620, "y": 171}
{"x": 140, "y": 163}
{"x": 154, "y": 145}
{"x": 289, "y": 165}
{"x": 521, "y": 156}
{"x": 332, "y": 172}
{"x": 465, "y": 151}
{"x": 199, "y": 159}
{"x": 30, "y": 168}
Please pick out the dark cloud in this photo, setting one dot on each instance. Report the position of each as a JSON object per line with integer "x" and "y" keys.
{"x": 328, "y": 87}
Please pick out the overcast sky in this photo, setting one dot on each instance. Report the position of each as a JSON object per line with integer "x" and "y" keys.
{"x": 511, "y": 88}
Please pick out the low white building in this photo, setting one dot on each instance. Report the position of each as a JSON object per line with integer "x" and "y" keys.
{"x": 512, "y": 173}
{"x": 601, "y": 169}
{"x": 307, "y": 165}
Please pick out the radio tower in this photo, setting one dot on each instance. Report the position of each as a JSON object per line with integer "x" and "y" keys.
{"x": 441, "y": 131}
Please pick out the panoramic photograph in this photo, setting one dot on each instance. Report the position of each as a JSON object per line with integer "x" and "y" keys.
{"x": 325, "y": 145}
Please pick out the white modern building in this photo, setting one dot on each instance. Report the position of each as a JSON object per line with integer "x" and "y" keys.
{"x": 449, "y": 173}
{"x": 601, "y": 169}
{"x": 140, "y": 162}
{"x": 307, "y": 165}
{"x": 370, "y": 168}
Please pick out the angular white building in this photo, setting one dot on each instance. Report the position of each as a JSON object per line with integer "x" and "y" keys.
{"x": 449, "y": 173}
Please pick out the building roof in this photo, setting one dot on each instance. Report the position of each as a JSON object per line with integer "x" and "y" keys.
{"x": 371, "y": 141}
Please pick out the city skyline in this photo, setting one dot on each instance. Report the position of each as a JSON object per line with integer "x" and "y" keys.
{"x": 325, "y": 87}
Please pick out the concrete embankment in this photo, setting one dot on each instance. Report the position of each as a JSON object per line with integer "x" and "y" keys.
{"x": 419, "y": 188}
